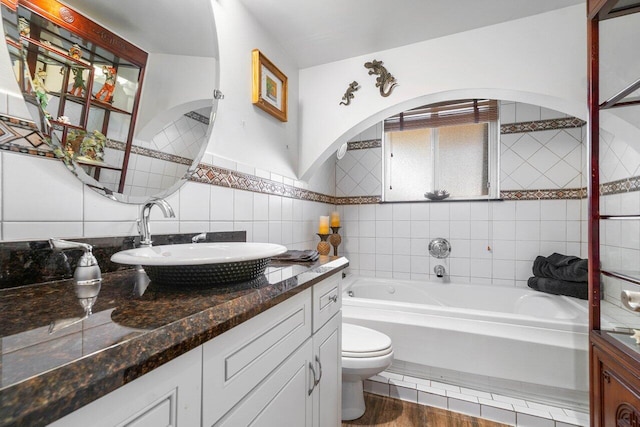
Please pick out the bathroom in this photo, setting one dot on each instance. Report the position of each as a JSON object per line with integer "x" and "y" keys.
{"x": 538, "y": 73}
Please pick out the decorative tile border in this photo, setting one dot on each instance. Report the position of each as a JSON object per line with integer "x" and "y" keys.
{"x": 357, "y": 200}
{"x": 538, "y": 125}
{"x": 552, "y": 194}
{"x": 214, "y": 175}
{"x": 19, "y": 148}
{"x": 620, "y": 186}
{"x": 363, "y": 145}
{"x": 198, "y": 117}
{"x": 120, "y": 146}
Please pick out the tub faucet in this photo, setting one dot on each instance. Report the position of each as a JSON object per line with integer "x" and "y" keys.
{"x": 143, "y": 221}
{"x": 439, "y": 270}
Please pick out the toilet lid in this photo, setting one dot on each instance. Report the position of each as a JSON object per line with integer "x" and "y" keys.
{"x": 358, "y": 341}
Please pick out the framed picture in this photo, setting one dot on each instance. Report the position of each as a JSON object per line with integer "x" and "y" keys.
{"x": 269, "y": 86}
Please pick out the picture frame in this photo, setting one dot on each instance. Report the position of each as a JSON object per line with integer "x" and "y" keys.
{"x": 269, "y": 91}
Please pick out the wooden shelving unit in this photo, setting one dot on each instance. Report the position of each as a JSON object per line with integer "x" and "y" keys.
{"x": 615, "y": 358}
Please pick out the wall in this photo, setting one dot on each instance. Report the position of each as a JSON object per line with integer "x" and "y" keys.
{"x": 245, "y": 133}
{"x": 39, "y": 198}
{"x": 539, "y": 60}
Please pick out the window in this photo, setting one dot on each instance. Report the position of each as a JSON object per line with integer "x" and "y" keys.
{"x": 450, "y": 146}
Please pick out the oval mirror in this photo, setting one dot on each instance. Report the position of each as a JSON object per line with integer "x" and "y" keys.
{"x": 122, "y": 91}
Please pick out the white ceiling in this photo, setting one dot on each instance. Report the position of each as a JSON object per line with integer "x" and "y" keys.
{"x": 315, "y": 32}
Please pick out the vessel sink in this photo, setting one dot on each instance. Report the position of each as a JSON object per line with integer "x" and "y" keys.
{"x": 201, "y": 264}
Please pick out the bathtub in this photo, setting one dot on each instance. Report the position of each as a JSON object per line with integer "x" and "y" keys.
{"x": 510, "y": 337}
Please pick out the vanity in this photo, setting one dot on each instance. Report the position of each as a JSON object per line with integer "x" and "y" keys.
{"x": 251, "y": 352}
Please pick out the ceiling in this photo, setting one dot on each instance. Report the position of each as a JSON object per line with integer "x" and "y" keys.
{"x": 317, "y": 32}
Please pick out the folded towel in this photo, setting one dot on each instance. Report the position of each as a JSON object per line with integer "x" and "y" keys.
{"x": 559, "y": 287}
{"x": 561, "y": 267}
{"x": 297, "y": 256}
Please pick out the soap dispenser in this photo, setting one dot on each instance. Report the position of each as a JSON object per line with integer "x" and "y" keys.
{"x": 87, "y": 275}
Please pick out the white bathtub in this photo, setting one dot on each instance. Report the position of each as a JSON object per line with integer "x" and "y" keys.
{"x": 514, "y": 337}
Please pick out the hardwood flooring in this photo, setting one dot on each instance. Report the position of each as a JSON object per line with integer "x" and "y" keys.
{"x": 387, "y": 412}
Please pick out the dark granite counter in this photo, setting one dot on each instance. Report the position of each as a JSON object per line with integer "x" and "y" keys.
{"x": 46, "y": 376}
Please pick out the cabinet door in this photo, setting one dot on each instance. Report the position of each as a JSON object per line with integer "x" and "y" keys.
{"x": 327, "y": 395}
{"x": 237, "y": 361}
{"x": 283, "y": 399}
{"x": 621, "y": 404}
{"x": 167, "y": 396}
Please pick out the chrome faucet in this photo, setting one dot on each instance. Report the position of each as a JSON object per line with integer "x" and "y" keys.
{"x": 439, "y": 270}
{"x": 143, "y": 221}
{"x": 199, "y": 238}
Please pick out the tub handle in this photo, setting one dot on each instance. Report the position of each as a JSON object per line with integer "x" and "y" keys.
{"x": 316, "y": 382}
{"x": 313, "y": 371}
{"x": 631, "y": 300}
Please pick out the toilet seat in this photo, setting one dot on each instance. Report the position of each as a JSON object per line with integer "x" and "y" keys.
{"x": 361, "y": 342}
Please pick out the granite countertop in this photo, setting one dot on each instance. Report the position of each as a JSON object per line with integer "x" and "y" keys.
{"x": 46, "y": 376}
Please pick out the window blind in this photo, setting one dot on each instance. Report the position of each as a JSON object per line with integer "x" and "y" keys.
{"x": 448, "y": 113}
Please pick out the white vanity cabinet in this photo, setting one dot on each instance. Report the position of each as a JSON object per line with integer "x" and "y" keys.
{"x": 283, "y": 366}
{"x": 167, "y": 396}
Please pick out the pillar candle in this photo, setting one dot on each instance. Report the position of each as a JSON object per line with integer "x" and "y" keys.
{"x": 335, "y": 219}
{"x": 324, "y": 225}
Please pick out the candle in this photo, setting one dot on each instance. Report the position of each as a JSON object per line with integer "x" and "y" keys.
{"x": 324, "y": 225}
{"x": 335, "y": 219}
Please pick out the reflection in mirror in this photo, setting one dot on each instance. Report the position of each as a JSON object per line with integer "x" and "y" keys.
{"x": 127, "y": 107}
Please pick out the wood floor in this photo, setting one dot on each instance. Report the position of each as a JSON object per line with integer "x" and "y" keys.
{"x": 386, "y": 412}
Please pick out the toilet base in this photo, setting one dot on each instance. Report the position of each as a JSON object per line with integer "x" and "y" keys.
{"x": 353, "y": 406}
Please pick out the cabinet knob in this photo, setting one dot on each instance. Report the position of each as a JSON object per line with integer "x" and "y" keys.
{"x": 334, "y": 298}
{"x": 606, "y": 376}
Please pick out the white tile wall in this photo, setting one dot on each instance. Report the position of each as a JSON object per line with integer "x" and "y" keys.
{"x": 41, "y": 199}
{"x": 359, "y": 173}
{"x": 495, "y": 241}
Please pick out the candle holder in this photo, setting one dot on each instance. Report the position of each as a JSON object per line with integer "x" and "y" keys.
{"x": 335, "y": 240}
{"x": 323, "y": 246}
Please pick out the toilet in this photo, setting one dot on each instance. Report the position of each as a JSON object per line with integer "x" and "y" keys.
{"x": 365, "y": 353}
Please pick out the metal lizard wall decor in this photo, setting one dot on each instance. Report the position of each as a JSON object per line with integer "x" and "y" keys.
{"x": 348, "y": 95}
{"x": 385, "y": 81}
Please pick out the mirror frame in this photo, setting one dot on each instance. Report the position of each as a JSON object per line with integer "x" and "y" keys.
{"x": 76, "y": 169}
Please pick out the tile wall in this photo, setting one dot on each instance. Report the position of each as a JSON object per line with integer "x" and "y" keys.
{"x": 492, "y": 242}
{"x": 51, "y": 203}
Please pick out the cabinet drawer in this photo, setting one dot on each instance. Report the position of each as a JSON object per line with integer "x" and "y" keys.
{"x": 327, "y": 300}
{"x": 238, "y": 360}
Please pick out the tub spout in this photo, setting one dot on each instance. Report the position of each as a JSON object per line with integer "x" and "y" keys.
{"x": 439, "y": 270}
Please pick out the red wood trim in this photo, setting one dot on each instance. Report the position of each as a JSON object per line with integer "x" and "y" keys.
{"x": 593, "y": 189}
{"x": 11, "y": 4}
{"x": 73, "y": 21}
{"x": 594, "y": 7}
{"x": 593, "y": 195}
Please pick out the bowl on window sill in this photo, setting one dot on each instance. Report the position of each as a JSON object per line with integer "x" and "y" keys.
{"x": 437, "y": 195}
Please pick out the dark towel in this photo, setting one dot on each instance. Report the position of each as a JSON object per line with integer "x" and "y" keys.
{"x": 297, "y": 256}
{"x": 561, "y": 267}
{"x": 559, "y": 287}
